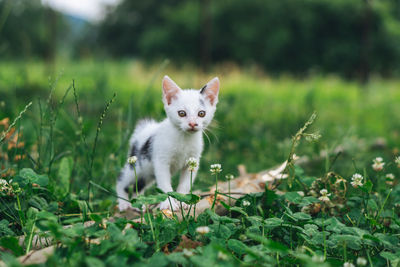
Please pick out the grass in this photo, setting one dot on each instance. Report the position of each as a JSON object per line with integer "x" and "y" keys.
{"x": 61, "y": 157}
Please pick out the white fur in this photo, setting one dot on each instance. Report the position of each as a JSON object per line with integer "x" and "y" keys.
{"x": 174, "y": 140}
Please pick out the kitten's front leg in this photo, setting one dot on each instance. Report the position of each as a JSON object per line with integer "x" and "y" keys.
{"x": 184, "y": 186}
{"x": 184, "y": 181}
{"x": 124, "y": 180}
{"x": 163, "y": 179}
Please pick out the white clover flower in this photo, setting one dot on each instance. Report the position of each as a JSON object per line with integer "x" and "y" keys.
{"x": 390, "y": 176}
{"x": 361, "y": 261}
{"x": 187, "y": 253}
{"x": 378, "y": 164}
{"x": 215, "y": 168}
{"x": 192, "y": 163}
{"x": 4, "y": 186}
{"x": 357, "y": 180}
{"x": 397, "y": 161}
{"x": 203, "y": 230}
{"x": 229, "y": 177}
{"x": 324, "y": 195}
{"x": 301, "y": 193}
{"x": 295, "y": 157}
{"x": 317, "y": 258}
{"x": 132, "y": 160}
{"x": 246, "y": 203}
{"x": 222, "y": 256}
{"x": 306, "y": 209}
{"x": 348, "y": 264}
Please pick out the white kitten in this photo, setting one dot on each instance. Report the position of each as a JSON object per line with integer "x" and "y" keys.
{"x": 162, "y": 148}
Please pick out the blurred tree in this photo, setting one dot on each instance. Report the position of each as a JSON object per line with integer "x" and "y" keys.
{"x": 350, "y": 37}
{"x": 28, "y": 29}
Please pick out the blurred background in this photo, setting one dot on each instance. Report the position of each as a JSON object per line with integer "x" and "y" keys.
{"x": 353, "y": 38}
{"x": 278, "y": 61}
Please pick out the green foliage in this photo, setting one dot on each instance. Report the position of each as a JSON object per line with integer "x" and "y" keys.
{"x": 48, "y": 188}
{"x": 188, "y": 198}
{"x": 29, "y": 30}
{"x": 351, "y": 38}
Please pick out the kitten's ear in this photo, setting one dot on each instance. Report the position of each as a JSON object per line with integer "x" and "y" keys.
{"x": 210, "y": 90}
{"x": 170, "y": 89}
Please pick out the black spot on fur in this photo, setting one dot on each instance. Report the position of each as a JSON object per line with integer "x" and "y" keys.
{"x": 141, "y": 185}
{"x": 146, "y": 149}
{"x": 133, "y": 150}
{"x": 203, "y": 88}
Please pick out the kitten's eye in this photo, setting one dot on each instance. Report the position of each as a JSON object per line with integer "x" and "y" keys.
{"x": 201, "y": 113}
{"x": 181, "y": 113}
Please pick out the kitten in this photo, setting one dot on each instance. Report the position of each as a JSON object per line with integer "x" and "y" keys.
{"x": 163, "y": 148}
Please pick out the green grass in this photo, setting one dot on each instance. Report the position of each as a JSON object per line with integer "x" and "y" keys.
{"x": 70, "y": 137}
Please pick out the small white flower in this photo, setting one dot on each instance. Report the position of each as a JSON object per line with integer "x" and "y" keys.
{"x": 317, "y": 258}
{"x": 222, "y": 256}
{"x": 215, "y": 168}
{"x": 378, "y": 164}
{"x": 132, "y": 160}
{"x": 390, "y": 176}
{"x": 357, "y": 180}
{"x": 246, "y": 203}
{"x": 306, "y": 209}
{"x": 187, "y": 253}
{"x": 361, "y": 261}
{"x": 295, "y": 157}
{"x": 229, "y": 177}
{"x": 192, "y": 163}
{"x": 324, "y": 195}
{"x": 203, "y": 230}
{"x": 4, "y": 186}
{"x": 348, "y": 264}
{"x": 301, "y": 193}
{"x": 324, "y": 198}
{"x": 397, "y": 161}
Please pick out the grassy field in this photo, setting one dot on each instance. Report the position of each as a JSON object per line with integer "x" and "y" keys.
{"x": 75, "y": 133}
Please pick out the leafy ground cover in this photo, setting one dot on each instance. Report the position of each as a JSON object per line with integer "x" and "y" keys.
{"x": 61, "y": 154}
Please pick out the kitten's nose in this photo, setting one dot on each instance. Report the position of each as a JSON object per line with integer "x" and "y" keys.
{"x": 193, "y": 124}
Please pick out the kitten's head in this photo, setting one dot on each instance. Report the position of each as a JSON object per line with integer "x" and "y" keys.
{"x": 190, "y": 110}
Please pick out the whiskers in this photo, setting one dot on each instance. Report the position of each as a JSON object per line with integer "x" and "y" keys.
{"x": 207, "y": 131}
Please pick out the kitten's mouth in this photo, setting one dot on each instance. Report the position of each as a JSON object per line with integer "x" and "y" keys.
{"x": 192, "y": 130}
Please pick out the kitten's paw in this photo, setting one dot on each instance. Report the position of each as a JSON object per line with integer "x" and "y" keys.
{"x": 176, "y": 205}
{"x": 123, "y": 205}
{"x": 166, "y": 205}
{"x": 185, "y": 206}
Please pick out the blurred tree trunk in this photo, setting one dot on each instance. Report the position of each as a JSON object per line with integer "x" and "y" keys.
{"x": 205, "y": 34}
{"x": 366, "y": 43}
